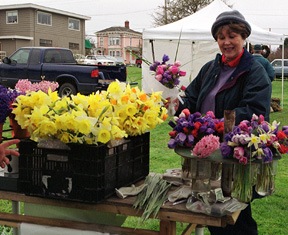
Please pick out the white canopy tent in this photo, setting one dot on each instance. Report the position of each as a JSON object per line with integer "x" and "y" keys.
{"x": 196, "y": 44}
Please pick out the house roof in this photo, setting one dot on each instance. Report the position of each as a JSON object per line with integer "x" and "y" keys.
{"x": 42, "y": 8}
{"x": 118, "y": 29}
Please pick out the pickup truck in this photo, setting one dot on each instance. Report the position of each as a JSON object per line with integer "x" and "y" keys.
{"x": 57, "y": 64}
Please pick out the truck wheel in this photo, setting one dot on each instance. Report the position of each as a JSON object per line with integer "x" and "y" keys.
{"x": 67, "y": 89}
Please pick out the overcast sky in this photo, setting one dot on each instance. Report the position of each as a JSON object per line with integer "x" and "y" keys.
{"x": 269, "y": 14}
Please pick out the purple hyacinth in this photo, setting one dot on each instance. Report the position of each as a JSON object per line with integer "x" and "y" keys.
{"x": 226, "y": 150}
{"x": 268, "y": 155}
{"x": 165, "y": 58}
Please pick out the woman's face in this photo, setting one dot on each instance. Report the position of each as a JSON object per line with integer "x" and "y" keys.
{"x": 230, "y": 43}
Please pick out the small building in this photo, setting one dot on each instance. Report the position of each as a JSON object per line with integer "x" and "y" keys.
{"x": 119, "y": 41}
{"x": 35, "y": 25}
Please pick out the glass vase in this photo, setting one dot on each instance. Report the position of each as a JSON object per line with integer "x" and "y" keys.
{"x": 196, "y": 173}
{"x": 265, "y": 184}
{"x": 186, "y": 173}
{"x": 244, "y": 177}
{"x": 216, "y": 171}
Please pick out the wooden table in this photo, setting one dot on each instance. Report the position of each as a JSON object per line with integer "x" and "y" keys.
{"x": 168, "y": 216}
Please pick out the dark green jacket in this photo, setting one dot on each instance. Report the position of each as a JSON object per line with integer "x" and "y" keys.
{"x": 266, "y": 64}
{"x": 248, "y": 91}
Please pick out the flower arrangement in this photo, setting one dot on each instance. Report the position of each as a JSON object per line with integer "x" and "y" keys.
{"x": 255, "y": 140}
{"x": 100, "y": 117}
{"x": 251, "y": 142}
{"x": 197, "y": 131}
{"x": 168, "y": 74}
{"x": 24, "y": 85}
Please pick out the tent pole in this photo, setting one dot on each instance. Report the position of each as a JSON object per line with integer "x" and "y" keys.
{"x": 152, "y": 47}
{"x": 282, "y": 75}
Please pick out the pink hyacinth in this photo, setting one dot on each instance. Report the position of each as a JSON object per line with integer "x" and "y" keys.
{"x": 24, "y": 85}
{"x": 207, "y": 145}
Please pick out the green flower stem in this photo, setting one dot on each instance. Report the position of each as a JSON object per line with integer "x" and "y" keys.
{"x": 152, "y": 197}
{"x": 244, "y": 176}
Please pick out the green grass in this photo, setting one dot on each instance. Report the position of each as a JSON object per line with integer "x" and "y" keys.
{"x": 270, "y": 213}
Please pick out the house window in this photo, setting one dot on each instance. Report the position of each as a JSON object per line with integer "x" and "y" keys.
{"x": 45, "y": 43}
{"x": 44, "y": 18}
{"x": 114, "y": 41}
{"x": 101, "y": 43}
{"x": 114, "y": 53}
{"x": 73, "y": 46}
{"x": 73, "y": 24}
{"x": 12, "y": 17}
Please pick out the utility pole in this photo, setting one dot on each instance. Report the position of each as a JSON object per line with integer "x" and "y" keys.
{"x": 165, "y": 11}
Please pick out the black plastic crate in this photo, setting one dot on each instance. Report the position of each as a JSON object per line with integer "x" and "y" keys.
{"x": 85, "y": 173}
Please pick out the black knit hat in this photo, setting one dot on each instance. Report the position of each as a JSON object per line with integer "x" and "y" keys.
{"x": 229, "y": 17}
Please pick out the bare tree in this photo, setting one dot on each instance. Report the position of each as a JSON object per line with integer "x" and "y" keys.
{"x": 174, "y": 10}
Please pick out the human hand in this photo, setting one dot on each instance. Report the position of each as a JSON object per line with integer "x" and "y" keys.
{"x": 172, "y": 104}
{"x": 4, "y": 151}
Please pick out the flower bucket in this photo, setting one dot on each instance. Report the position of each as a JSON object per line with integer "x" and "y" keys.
{"x": 17, "y": 131}
{"x": 265, "y": 184}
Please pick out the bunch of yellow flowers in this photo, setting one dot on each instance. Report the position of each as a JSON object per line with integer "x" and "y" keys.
{"x": 100, "y": 117}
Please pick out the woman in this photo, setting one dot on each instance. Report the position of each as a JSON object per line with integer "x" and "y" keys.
{"x": 233, "y": 81}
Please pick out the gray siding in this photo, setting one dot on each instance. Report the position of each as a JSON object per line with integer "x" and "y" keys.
{"x": 27, "y": 26}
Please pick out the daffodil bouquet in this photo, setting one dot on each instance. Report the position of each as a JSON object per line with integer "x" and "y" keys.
{"x": 97, "y": 118}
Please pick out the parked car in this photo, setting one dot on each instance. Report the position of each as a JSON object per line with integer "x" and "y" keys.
{"x": 79, "y": 58}
{"x": 98, "y": 60}
{"x": 277, "y": 65}
{"x": 118, "y": 59}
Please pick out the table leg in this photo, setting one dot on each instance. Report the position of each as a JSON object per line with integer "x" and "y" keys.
{"x": 167, "y": 227}
{"x": 15, "y": 210}
{"x": 199, "y": 230}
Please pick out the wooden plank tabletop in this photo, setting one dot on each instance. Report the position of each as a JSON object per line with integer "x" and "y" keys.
{"x": 115, "y": 205}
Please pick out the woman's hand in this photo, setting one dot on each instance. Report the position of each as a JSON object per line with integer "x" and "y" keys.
{"x": 172, "y": 105}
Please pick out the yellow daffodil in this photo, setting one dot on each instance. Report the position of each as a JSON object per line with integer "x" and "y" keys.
{"x": 120, "y": 111}
{"x": 253, "y": 140}
{"x": 104, "y": 136}
{"x": 264, "y": 138}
